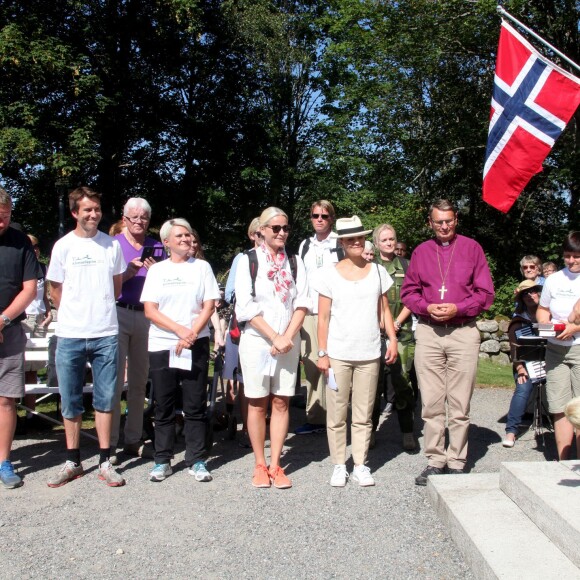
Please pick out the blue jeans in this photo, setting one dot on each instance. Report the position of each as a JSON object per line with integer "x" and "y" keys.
{"x": 518, "y": 405}
{"x": 72, "y": 355}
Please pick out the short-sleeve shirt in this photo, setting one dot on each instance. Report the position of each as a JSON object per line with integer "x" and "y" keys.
{"x": 85, "y": 267}
{"x": 559, "y": 294}
{"x": 18, "y": 264}
{"x": 132, "y": 288}
{"x": 353, "y": 332}
{"x": 179, "y": 290}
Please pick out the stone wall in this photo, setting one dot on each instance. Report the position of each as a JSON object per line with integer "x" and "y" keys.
{"x": 495, "y": 344}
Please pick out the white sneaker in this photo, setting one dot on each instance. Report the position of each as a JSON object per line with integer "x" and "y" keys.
{"x": 339, "y": 476}
{"x": 362, "y": 474}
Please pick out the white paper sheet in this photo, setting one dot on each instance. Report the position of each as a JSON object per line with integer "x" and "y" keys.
{"x": 183, "y": 361}
{"x": 331, "y": 381}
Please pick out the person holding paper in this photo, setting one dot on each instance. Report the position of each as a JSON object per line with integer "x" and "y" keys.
{"x": 352, "y": 305}
{"x": 179, "y": 297}
{"x": 271, "y": 306}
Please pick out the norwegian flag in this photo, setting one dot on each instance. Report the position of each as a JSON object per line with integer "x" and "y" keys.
{"x": 533, "y": 100}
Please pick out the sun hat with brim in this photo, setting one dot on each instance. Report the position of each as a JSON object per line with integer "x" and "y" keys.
{"x": 350, "y": 227}
{"x": 528, "y": 285}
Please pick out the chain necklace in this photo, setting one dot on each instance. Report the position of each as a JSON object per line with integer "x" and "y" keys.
{"x": 442, "y": 290}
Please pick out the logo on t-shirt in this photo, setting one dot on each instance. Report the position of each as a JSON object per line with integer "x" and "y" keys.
{"x": 177, "y": 281}
{"x": 82, "y": 261}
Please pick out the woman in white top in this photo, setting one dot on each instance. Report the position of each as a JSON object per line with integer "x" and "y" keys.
{"x": 272, "y": 306}
{"x": 352, "y": 305}
{"x": 560, "y": 293}
{"x": 179, "y": 297}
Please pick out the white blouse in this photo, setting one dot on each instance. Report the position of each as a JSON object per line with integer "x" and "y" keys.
{"x": 266, "y": 303}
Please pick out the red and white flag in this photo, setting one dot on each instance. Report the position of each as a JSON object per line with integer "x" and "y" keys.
{"x": 533, "y": 100}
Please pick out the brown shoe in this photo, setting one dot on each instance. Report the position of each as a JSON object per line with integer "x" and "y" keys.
{"x": 261, "y": 476}
{"x": 279, "y": 479}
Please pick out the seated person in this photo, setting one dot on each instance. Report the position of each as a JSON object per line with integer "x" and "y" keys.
{"x": 528, "y": 297}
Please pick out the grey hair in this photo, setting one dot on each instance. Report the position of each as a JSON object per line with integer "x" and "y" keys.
{"x": 137, "y": 203}
{"x": 5, "y": 199}
{"x": 369, "y": 247}
{"x": 166, "y": 228}
{"x": 269, "y": 214}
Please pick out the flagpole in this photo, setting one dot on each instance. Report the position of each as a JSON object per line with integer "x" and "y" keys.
{"x": 505, "y": 13}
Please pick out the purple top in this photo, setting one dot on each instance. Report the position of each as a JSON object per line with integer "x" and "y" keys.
{"x": 131, "y": 290}
{"x": 462, "y": 278}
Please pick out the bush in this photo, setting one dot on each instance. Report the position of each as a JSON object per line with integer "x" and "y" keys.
{"x": 504, "y": 299}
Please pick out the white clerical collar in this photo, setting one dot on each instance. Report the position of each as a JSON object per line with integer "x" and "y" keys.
{"x": 445, "y": 243}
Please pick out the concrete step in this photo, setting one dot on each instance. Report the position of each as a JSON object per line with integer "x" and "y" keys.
{"x": 493, "y": 534}
{"x": 549, "y": 494}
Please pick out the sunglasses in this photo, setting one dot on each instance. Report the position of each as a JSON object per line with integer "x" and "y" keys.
{"x": 324, "y": 216}
{"x": 276, "y": 229}
{"x": 530, "y": 267}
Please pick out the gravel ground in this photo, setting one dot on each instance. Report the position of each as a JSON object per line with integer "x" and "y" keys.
{"x": 227, "y": 529}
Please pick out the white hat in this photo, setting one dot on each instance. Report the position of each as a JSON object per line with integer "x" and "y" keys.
{"x": 350, "y": 227}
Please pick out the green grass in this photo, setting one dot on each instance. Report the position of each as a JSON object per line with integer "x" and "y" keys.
{"x": 493, "y": 375}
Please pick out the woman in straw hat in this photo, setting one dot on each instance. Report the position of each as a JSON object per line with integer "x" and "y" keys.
{"x": 352, "y": 306}
{"x": 527, "y": 299}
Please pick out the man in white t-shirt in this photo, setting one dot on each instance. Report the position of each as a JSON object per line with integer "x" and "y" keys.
{"x": 317, "y": 251}
{"x": 85, "y": 274}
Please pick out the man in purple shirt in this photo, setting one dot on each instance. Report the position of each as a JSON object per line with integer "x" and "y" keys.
{"x": 448, "y": 285}
{"x": 133, "y": 327}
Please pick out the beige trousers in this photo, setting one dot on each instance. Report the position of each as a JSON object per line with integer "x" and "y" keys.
{"x": 315, "y": 381}
{"x": 446, "y": 364}
{"x": 359, "y": 378}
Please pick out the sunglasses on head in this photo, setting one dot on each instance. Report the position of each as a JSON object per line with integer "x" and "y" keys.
{"x": 324, "y": 216}
{"x": 276, "y": 229}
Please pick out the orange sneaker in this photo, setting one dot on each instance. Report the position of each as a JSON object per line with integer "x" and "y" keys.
{"x": 261, "y": 476}
{"x": 279, "y": 478}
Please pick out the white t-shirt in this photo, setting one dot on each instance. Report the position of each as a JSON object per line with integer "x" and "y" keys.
{"x": 319, "y": 255}
{"x": 85, "y": 267}
{"x": 353, "y": 332}
{"x": 37, "y": 306}
{"x": 560, "y": 292}
{"x": 266, "y": 303}
{"x": 179, "y": 290}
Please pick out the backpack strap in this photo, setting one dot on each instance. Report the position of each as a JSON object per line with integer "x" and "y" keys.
{"x": 305, "y": 248}
{"x": 253, "y": 265}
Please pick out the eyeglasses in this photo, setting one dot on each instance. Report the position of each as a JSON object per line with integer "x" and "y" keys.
{"x": 530, "y": 267}
{"x": 439, "y": 223}
{"x": 136, "y": 220}
{"x": 524, "y": 294}
{"x": 324, "y": 216}
{"x": 276, "y": 229}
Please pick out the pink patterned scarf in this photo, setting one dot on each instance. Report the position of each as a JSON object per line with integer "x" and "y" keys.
{"x": 276, "y": 272}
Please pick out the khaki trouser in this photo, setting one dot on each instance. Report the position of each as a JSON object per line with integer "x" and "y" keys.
{"x": 360, "y": 378}
{"x": 133, "y": 345}
{"x": 446, "y": 364}
{"x": 315, "y": 381}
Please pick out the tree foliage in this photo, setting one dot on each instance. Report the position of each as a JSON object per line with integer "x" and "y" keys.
{"x": 214, "y": 109}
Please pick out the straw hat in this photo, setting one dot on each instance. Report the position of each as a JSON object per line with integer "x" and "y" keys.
{"x": 350, "y": 227}
{"x": 528, "y": 285}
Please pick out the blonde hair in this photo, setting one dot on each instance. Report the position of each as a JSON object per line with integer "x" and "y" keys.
{"x": 33, "y": 239}
{"x": 168, "y": 226}
{"x": 253, "y": 227}
{"x": 269, "y": 214}
{"x": 572, "y": 412}
{"x": 380, "y": 229}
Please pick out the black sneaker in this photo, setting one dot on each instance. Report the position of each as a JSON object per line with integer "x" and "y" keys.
{"x": 429, "y": 470}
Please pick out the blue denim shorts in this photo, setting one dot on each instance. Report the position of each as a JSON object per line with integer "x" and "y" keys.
{"x": 72, "y": 355}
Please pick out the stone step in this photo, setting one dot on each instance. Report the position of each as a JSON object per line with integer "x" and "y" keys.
{"x": 549, "y": 494}
{"x": 493, "y": 534}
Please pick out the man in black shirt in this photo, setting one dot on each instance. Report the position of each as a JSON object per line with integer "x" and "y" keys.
{"x": 19, "y": 272}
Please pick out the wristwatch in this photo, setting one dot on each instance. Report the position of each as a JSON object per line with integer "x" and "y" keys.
{"x": 322, "y": 353}
{"x": 6, "y": 320}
